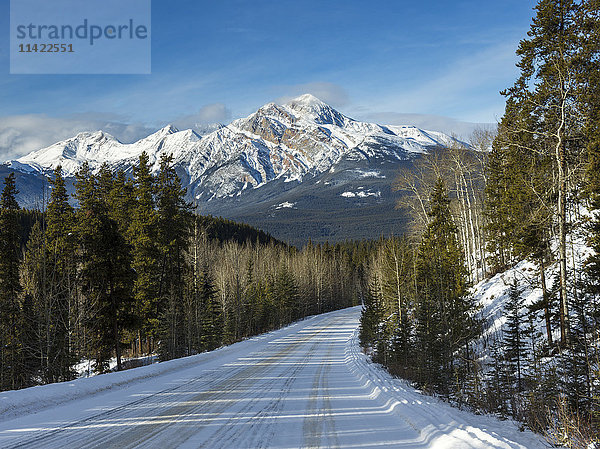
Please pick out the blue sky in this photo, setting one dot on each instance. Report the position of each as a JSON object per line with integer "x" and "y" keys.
{"x": 213, "y": 61}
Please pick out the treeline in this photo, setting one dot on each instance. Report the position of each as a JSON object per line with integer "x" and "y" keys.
{"x": 535, "y": 197}
{"x": 133, "y": 271}
{"x": 221, "y": 229}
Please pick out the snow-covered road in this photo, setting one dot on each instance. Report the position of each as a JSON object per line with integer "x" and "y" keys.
{"x": 307, "y": 385}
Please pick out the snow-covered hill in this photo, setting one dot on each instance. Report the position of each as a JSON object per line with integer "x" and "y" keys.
{"x": 304, "y": 137}
{"x": 492, "y": 294}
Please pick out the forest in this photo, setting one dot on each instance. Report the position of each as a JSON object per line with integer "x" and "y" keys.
{"x": 134, "y": 271}
{"x": 528, "y": 192}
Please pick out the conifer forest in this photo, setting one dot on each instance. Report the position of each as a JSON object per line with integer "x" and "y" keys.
{"x": 533, "y": 196}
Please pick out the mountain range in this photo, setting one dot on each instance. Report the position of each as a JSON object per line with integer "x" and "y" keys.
{"x": 299, "y": 170}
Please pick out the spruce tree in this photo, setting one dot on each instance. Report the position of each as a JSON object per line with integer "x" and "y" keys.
{"x": 285, "y": 296}
{"x": 543, "y": 117}
{"x": 515, "y": 352}
{"x": 10, "y": 287}
{"x": 212, "y": 322}
{"x": 106, "y": 273}
{"x": 173, "y": 230}
{"x": 372, "y": 315}
{"x": 59, "y": 274}
{"x": 143, "y": 234}
{"x": 445, "y": 312}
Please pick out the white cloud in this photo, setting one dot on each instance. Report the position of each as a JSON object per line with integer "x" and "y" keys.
{"x": 21, "y": 134}
{"x": 330, "y": 93}
{"x": 460, "y": 89}
{"x": 207, "y": 115}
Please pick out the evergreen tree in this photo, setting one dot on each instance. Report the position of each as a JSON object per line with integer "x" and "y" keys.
{"x": 496, "y": 391}
{"x": 143, "y": 234}
{"x": 515, "y": 352}
{"x": 10, "y": 287}
{"x": 514, "y": 344}
{"x": 285, "y": 296}
{"x": 543, "y": 117}
{"x": 106, "y": 271}
{"x": 212, "y": 322}
{"x": 173, "y": 228}
{"x": 445, "y": 312}
{"x": 372, "y": 316}
{"x": 59, "y": 277}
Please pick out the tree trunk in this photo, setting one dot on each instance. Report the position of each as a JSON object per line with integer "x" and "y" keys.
{"x": 562, "y": 232}
{"x": 546, "y": 301}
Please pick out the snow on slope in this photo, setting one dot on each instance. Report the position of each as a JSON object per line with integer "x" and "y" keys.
{"x": 493, "y": 293}
{"x": 307, "y": 385}
{"x": 304, "y": 137}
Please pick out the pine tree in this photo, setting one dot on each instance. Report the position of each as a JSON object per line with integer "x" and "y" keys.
{"x": 143, "y": 234}
{"x": 515, "y": 352}
{"x": 10, "y": 287}
{"x": 543, "y": 116}
{"x": 496, "y": 388}
{"x": 445, "y": 312}
{"x": 212, "y": 321}
{"x": 59, "y": 277}
{"x": 106, "y": 271}
{"x": 372, "y": 315}
{"x": 285, "y": 296}
{"x": 173, "y": 228}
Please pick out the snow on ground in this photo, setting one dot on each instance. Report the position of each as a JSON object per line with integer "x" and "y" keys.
{"x": 285, "y": 205}
{"x": 493, "y": 293}
{"x": 307, "y": 385}
{"x": 368, "y": 173}
{"x": 360, "y": 194}
{"x": 85, "y": 368}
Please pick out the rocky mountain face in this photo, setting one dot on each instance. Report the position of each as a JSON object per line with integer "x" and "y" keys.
{"x": 302, "y": 163}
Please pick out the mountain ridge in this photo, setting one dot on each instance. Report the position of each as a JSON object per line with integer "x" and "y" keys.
{"x": 302, "y": 137}
{"x": 298, "y": 170}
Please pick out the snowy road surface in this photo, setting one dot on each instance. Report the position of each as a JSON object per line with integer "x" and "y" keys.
{"x": 307, "y": 385}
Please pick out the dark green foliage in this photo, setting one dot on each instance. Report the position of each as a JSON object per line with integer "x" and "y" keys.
{"x": 132, "y": 272}
{"x": 225, "y": 230}
{"x": 105, "y": 265}
{"x": 212, "y": 314}
{"x": 10, "y": 287}
{"x": 285, "y": 296}
{"x": 545, "y": 155}
{"x": 173, "y": 225}
{"x": 418, "y": 316}
{"x": 143, "y": 235}
{"x": 496, "y": 392}
{"x": 56, "y": 295}
{"x": 372, "y": 315}
{"x": 445, "y": 312}
{"x": 514, "y": 338}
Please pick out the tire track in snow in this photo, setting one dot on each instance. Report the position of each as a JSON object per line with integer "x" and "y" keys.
{"x": 320, "y": 418}
{"x": 258, "y": 430}
{"x": 123, "y": 427}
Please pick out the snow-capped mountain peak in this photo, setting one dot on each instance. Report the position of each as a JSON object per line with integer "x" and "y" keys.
{"x": 169, "y": 129}
{"x": 311, "y": 107}
{"x": 303, "y": 137}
